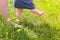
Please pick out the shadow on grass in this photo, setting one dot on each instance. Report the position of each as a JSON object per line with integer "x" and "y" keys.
{"x": 45, "y": 31}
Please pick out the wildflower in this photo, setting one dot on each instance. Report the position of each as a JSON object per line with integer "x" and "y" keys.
{"x": 17, "y": 20}
{"x": 6, "y": 33}
{"x": 8, "y": 19}
{"x": 18, "y": 30}
{"x": 16, "y": 25}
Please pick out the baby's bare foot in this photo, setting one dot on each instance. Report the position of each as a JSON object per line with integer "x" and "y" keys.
{"x": 41, "y": 13}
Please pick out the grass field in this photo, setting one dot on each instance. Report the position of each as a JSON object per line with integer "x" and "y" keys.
{"x": 46, "y": 27}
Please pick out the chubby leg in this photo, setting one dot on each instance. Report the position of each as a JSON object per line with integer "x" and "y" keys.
{"x": 39, "y": 13}
{"x": 4, "y": 8}
{"x": 19, "y": 13}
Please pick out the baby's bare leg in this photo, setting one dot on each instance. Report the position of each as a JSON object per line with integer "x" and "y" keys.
{"x": 4, "y": 8}
{"x": 19, "y": 13}
{"x": 39, "y": 13}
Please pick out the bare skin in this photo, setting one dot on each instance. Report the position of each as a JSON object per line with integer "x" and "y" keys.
{"x": 19, "y": 13}
{"x": 4, "y": 8}
{"x": 35, "y": 11}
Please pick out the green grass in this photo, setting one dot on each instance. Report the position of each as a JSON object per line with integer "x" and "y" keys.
{"x": 46, "y": 27}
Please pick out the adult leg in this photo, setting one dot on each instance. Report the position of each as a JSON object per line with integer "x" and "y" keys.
{"x": 4, "y": 8}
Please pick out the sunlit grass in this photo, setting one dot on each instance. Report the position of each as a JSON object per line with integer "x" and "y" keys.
{"x": 46, "y": 27}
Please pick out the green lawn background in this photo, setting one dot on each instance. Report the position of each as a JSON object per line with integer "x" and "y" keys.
{"x": 46, "y": 27}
